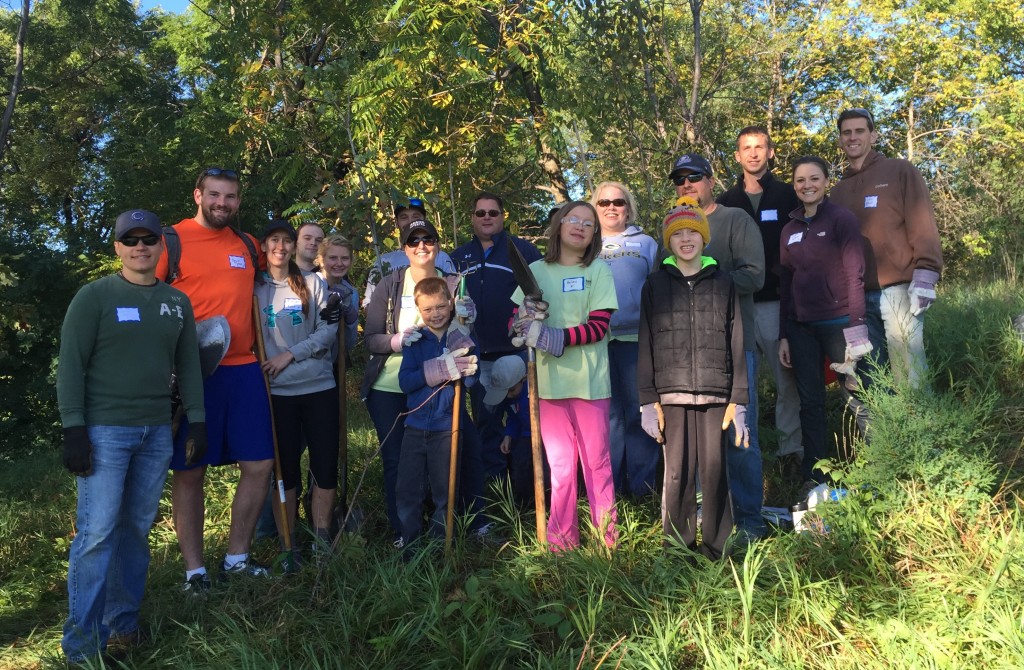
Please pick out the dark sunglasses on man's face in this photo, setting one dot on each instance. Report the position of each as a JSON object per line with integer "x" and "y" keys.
{"x": 605, "y": 202}
{"x": 693, "y": 178}
{"x": 148, "y": 240}
{"x": 414, "y": 242}
{"x": 220, "y": 172}
{"x": 493, "y": 213}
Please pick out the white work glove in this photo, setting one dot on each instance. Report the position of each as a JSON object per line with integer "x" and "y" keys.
{"x": 465, "y": 309}
{"x": 652, "y": 420}
{"x": 459, "y": 336}
{"x": 405, "y": 338}
{"x": 922, "y": 290}
{"x": 449, "y": 367}
{"x": 545, "y": 338}
{"x": 857, "y": 347}
{"x": 737, "y": 416}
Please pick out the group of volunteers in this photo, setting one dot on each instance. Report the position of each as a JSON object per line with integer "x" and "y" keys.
{"x": 646, "y": 354}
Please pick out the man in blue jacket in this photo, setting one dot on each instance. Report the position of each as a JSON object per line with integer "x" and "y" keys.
{"x": 490, "y": 283}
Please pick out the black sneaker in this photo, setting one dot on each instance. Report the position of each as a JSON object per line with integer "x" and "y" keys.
{"x": 245, "y": 568}
{"x": 197, "y": 585}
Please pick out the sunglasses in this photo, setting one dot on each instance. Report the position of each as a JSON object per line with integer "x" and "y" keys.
{"x": 493, "y": 213}
{"x": 414, "y": 242}
{"x": 605, "y": 202}
{"x": 693, "y": 178}
{"x": 132, "y": 240}
{"x": 576, "y": 221}
{"x": 220, "y": 172}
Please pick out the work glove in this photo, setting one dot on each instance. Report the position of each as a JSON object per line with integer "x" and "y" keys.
{"x": 459, "y": 337}
{"x": 857, "y": 347}
{"x": 737, "y": 416}
{"x": 652, "y": 420}
{"x": 77, "y": 451}
{"x": 405, "y": 338}
{"x": 536, "y": 309}
{"x": 331, "y": 313}
{"x": 195, "y": 445}
{"x": 545, "y": 338}
{"x": 922, "y": 290}
{"x": 454, "y": 365}
{"x": 465, "y": 309}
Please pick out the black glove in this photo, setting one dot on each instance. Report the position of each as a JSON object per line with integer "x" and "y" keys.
{"x": 77, "y": 451}
{"x": 195, "y": 445}
{"x": 332, "y": 312}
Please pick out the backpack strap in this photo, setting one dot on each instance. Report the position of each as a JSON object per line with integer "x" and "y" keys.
{"x": 173, "y": 243}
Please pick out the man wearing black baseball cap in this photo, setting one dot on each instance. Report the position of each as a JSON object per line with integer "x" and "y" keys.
{"x": 406, "y": 212}
{"x": 122, "y": 338}
{"x": 903, "y": 257}
{"x": 737, "y": 246}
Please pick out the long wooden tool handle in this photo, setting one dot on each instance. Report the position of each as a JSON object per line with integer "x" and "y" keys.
{"x": 538, "y": 450}
{"x": 453, "y": 468}
{"x": 261, "y": 355}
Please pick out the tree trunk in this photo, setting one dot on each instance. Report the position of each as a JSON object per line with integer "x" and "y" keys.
{"x": 547, "y": 158}
{"x": 19, "y": 68}
{"x": 695, "y": 7}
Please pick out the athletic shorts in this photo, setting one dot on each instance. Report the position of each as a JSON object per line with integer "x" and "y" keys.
{"x": 237, "y": 418}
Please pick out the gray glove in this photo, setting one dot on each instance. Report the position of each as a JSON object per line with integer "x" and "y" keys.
{"x": 405, "y": 338}
{"x": 465, "y": 309}
{"x": 857, "y": 347}
{"x": 737, "y": 416}
{"x": 652, "y": 420}
{"x": 922, "y": 290}
{"x": 551, "y": 340}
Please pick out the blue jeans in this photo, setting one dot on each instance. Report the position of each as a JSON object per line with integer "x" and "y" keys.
{"x": 384, "y": 408}
{"x": 634, "y": 453}
{"x": 746, "y": 483}
{"x": 110, "y": 553}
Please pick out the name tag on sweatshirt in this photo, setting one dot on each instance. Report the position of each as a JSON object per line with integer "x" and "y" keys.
{"x": 770, "y": 215}
{"x": 870, "y": 201}
{"x": 794, "y": 238}
{"x": 128, "y": 314}
{"x": 236, "y": 262}
{"x": 292, "y": 305}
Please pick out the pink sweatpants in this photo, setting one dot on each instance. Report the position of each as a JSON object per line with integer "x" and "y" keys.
{"x": 574, "y": 428}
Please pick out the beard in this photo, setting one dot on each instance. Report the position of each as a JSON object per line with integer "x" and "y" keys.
{"x": 218, "y": 219}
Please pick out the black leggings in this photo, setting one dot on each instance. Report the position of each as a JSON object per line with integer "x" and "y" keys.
{"x": 315, "y": 416}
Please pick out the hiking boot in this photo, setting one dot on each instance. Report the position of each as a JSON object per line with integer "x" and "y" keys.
{"x": 246, "y": 568}
{"x": 120, "y": 644}
{"x": 399, "y": 543}
{"x": 197, "y": 586}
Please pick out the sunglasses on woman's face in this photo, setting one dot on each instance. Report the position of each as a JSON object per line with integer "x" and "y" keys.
{"x": 414, "y": 242}
{"x": 605, "y": 202}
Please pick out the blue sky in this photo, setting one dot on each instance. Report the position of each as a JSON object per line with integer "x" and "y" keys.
{"x": 168, "y": 5}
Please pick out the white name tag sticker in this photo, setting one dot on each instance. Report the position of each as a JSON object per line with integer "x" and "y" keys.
{"x": 236, "y": 262}
{"x": 870, "y": 201}
{"x": 570, "y": 284}
{"x": 770, "y": 215}
{"x": 636, "y": 245}
{"x": 408, "y": 302}
{"x": 128, "y": 314}
{"x": 292, "y": 305}
{"x": 795, "y": 237}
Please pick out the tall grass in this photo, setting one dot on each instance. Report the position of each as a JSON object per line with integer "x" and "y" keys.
{"x": 921, "y": 567}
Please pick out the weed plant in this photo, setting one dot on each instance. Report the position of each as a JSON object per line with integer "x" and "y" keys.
{"x": 920, "y": 567}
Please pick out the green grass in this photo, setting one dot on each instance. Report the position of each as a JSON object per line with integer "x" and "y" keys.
{"x": 923, "y": 567}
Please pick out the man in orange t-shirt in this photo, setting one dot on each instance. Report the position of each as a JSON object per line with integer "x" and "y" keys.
{"x": 215, "y": 271}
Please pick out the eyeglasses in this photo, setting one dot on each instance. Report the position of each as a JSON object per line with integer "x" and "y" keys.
{"x": 414, "y": 242}
{"x": 493, "y": 213}
{"x": 577, "y": 221}
{"x": 693, "y": 178}
{"x": 148, "y": 240}
{"x": 605, "y": 202}
{"x": 219, "y": 172}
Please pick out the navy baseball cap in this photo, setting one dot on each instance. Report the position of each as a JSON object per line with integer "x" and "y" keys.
{"x": 279, "y": 224}
{"x": 691, "y": 163}
{"x": 136, "y": 218}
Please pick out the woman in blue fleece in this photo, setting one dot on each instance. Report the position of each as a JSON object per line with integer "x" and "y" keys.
{"x": 632, "y": 256}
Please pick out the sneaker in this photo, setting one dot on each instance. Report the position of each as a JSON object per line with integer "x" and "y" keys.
{"x": 197, "y": 585}
{"x": 245, "y": 568}
{"x": 399, "y": 543}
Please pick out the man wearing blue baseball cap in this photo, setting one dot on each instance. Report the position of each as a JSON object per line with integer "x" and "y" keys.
{"x": 122, "y": 338}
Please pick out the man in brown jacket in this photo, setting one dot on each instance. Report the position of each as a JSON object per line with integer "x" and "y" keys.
{"x": 903, "y": 257}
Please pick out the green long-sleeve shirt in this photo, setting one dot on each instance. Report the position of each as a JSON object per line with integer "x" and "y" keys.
{"x": 119, "y": 345}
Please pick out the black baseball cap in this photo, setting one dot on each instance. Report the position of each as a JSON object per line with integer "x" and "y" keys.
{"x": 136, "y": 218}
{"x": 419, "y": 227}
{"x": 279, "y": 224}
{"x": 411, "y": 203}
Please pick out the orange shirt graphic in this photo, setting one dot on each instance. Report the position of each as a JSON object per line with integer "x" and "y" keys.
{"x": 216, "y": 274}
